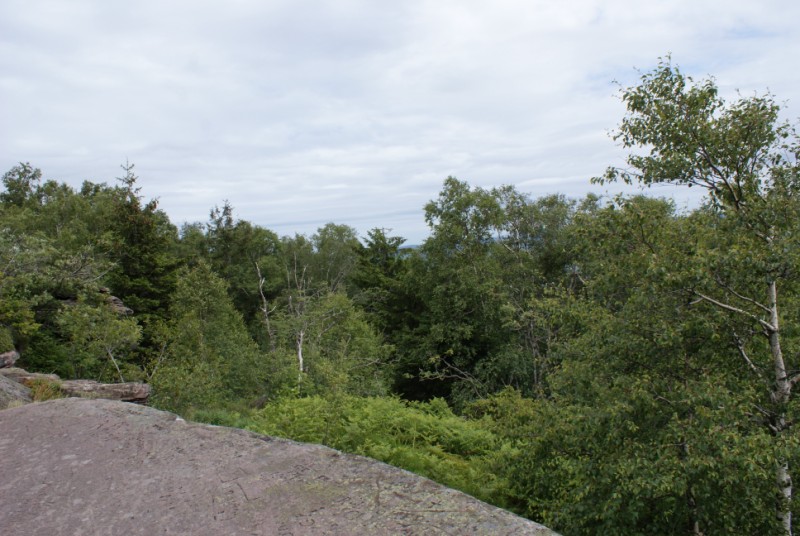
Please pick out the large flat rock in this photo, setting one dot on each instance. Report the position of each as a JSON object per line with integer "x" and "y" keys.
{"x": 97, "y": 467}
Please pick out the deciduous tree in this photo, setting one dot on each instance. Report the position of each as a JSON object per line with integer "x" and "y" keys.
{"x": 747, "y": 258}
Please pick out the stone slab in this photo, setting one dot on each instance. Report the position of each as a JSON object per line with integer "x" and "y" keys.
{"x": 101, "y": 467}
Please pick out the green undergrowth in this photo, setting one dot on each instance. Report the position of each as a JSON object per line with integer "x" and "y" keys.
{"x": 426, "y": 438}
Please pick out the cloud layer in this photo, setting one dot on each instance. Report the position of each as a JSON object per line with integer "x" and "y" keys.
{"x": 303, "y": 112}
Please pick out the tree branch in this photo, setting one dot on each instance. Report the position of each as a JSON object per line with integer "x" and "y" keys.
{"x": 111, "y": 355}
{"x": 743, "y": 298}
{"x": 763, "y": 323}
{"x": 743, "y": 353}
{"x": 794, "y": 378}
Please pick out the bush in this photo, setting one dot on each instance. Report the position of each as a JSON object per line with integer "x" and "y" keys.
{"x": 426, "y": 438}
{"x": 6, "y": 341}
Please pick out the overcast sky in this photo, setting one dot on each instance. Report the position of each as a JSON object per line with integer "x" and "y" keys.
{"x": 353, "y": 111}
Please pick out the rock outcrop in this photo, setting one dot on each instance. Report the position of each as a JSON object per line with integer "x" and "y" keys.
{"x": 127, "y": 392}
{"x": 23, "y": 376}
{"x": 75, "y": 466}
{"x": 13, "y": 394}
{"x": 116, "y": 304}
{"x": 7, "y": 359}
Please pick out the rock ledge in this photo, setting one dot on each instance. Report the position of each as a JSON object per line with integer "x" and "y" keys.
{"x": 76, "y": 466}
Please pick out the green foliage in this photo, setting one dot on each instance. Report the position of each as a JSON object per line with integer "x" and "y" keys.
{"x": 230, "y": 415}
{"x": 233, "y": 248}
{"x": 37, "y": 280}
{"x": 99, "y": 335}
{"x": 20, "y": 184}
{"x": 47, "y": 351}
{"x": 640, "y": 463}
{"x": 6, "y": 340}
{"x": 336, "y": 250}
{"x": 317, "y": 340}
{"x": 62, "y": 244}
{"x": 742, "y": 263}
{"x": 649, "y": 426}
{"x": 494, "y": 261}
{"x": 208, "y": 356}
{"x": 141, "y": 242}
{"x": 377, "y": 280}
{"x": 735, "y": 151}
{"x": 425, "y": 438}
{"x": 341, "y": 351}
{"x": 626, "y": 368}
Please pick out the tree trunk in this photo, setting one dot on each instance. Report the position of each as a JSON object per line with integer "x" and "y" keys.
{"x": 780, "y": 397}
{"x": 300, "y": 336}
{"x": 265, "y": 309}
{"x": 116, "y": 365}
{"x": 784, "y": 481}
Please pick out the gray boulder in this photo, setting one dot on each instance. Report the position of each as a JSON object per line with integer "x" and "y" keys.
{"x": 13, "y": 394}
{"x": 7, "y": 359}
{"x": 22, "y": 376}
{"x": 76, "y": 466}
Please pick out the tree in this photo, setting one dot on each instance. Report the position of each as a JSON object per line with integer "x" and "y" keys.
{"x": 458, "y": 277}
{"x": 233, "y": 248}
{"x": 336, "y": 250}
{"x": 142, "y": 248}
{"x": 97, "y": 334}
{"x": 489, "y": 280}
{"x": 20, "y": 184}
{"x": 315, "y": 321}
{"x": 747, "y": 257}
{"x": 209, "y": 357}
{"x": 646, "y": 427}
{"x": 376, "y": 279}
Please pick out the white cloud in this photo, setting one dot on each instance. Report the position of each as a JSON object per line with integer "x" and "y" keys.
{"x": 305, "y": 112}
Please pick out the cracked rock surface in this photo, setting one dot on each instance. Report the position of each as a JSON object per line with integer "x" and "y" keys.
{"x": 102, "y": 467}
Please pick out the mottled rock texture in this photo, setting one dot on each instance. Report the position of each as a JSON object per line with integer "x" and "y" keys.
{"x": 7, "y": 359}
{"x": 13, "y": 394}
{"x": 22, "y": 376}
{"x": 102, "y": 467}
{"x": 128, "y": 392}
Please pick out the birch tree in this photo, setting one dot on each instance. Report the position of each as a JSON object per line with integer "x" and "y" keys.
{"x": 746, "y": 262}
{"x": 331, "y": 344}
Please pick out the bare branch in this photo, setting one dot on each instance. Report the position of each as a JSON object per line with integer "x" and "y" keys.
{"x": 794, "y": 378}
{"x": 477, "y": 386}
{"x": 162, "y": 353}
{"x": 763, "y": 323}
{"x": 743, "y": 353}
{"x": 111, "y": 355}
{"x": 743, "y": 298}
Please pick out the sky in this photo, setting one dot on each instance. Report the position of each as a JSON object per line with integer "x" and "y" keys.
{"x": 300, "y": 113}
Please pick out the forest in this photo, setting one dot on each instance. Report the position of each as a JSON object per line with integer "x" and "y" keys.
{"x": 600, "y": 365}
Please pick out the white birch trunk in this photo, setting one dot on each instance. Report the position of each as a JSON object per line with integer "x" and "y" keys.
{"x": 265, "y": 310}
{"x": 300, "y": 337}
{"x": 781, "y": 395}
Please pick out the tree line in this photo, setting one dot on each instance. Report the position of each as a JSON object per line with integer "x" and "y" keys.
{"x": 601, "y": 365}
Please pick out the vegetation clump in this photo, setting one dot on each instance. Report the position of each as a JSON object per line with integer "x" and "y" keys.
{"x": 43, "y": 390}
